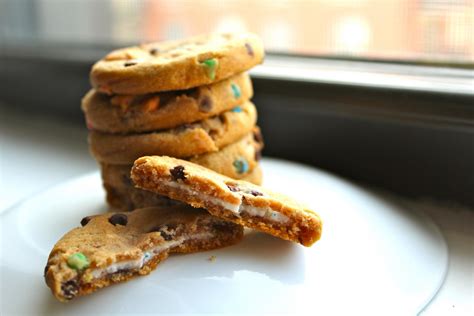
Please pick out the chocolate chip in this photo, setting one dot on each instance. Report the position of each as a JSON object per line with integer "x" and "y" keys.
{"x": 255, "y": 193}
{"x": 178, "y": 173}
{"x": 154, "y": 51}
{"x": 118, "y": 219}
{"x": 233, "y": 187}
{"x": 249, "y": 49}
{"x": 85, "y": 221}
{"x": 129, "y": 63}
{"x": 166, "y": 236}
{"x": 70, "y": 289}
{"x": 205, "y": 105}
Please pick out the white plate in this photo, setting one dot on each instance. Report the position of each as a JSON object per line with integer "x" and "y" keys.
{"x": 373, "y": 258}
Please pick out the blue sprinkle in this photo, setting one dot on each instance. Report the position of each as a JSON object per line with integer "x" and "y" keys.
{"x": 147, "y": 255}
{"x": 241, "y": 165}
{"x": 237, "y": 109}
{"x": 235, "y": 90}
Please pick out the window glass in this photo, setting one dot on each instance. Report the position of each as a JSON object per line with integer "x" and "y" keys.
{"x": 419, "y": 30}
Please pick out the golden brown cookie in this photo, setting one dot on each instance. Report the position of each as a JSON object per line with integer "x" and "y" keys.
{"x": 121, "y": 194}
{"x": 176, "y": 65}
{"x": 142, "y": 113}
{"x": 185, "y": 141}
{"x": 115, "y": 247}
{"x": 238, "y": 201}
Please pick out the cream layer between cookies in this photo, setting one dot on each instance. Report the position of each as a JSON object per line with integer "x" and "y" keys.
{"x": 237, "y": 209}
{"x": 147, "y": 256}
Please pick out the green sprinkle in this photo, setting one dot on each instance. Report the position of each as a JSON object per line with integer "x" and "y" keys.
{"x": 78, "y": 261}
{"x": 235, "y": 90}
{"x": 241, "y": 165}
{"x": 211, "y": 66}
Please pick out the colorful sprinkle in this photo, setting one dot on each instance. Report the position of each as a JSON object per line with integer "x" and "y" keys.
{"x": 237, "y": 109}
{"x": 241, "y": 165}
{"x": 147, "y": 256}
{"x": 235, "y": 90}
{"x": 211, "y": 66}
{"x": 151, "y": 104}
{"x": 78, "y": 261}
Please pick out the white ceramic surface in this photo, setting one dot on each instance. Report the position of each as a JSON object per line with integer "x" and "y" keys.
{"x": 373, "y": 258}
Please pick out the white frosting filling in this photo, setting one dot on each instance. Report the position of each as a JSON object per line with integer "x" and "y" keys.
{"x": 264, "y": 212}
{"x": 237, "y": 209}
{"x": 228, "y": 206}
{"x": 147, "y": 256}
{"x": 114, "y": 267}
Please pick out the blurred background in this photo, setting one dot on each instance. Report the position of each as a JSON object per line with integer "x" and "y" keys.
{"x": 429, "y": 31}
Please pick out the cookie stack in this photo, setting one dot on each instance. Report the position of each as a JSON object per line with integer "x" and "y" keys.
{"x": 187, "y": 99}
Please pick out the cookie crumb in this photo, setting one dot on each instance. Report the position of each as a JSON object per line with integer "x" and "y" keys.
{"x": 212, "y": 258}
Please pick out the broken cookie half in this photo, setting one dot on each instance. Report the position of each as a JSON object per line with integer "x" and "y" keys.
{"x": 238, "y": 201}
{"x": 114, "y": 247}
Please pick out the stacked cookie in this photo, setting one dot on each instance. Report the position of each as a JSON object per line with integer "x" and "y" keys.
{"x": 187, "y": 99}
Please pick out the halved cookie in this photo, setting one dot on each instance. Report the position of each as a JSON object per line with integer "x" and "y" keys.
{"x": 238, "y": 201}
{"x": 115, "y": 247}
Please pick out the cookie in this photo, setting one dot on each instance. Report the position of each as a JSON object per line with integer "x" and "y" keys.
{"x": 143, "y": 113}
{"x": 115, "y": 247}
{"x": 176, "y": 65}
{"x": 236, "y": 160}
{"x": 185, "y": 141}
{"x": 121, "y": 194}
{"x": 238, "y": 201}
